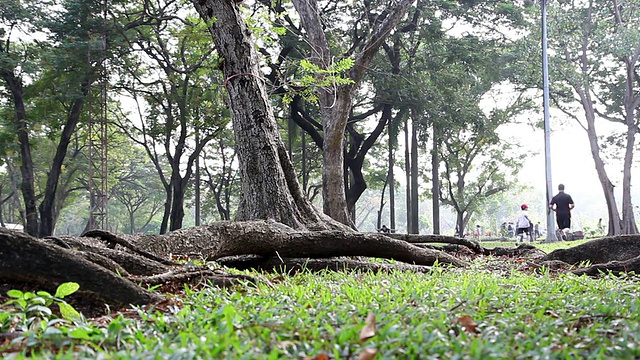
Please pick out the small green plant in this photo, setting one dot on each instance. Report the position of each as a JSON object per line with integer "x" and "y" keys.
{"x": 38, "y": 305}
{"x": 29, "y": 318}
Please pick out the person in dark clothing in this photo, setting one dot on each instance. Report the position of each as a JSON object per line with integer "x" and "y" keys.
{"x": 562, "y": 204}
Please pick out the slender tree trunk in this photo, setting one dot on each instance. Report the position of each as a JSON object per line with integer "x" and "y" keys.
{"x": 164, "y": 225}
{"x": 197, "y": 183}
{"x": 415, "y": 212}
{"x": 628, "y": 225}
{"x": 407, "y": 174}
{"x": 583, "y": 89}
{"x": 305, "y": 175}
{"x": 382, "y": 203}
{"x": 132, "y": 221}
{"x": 177, "y": 210}
{"x": 359, "y": 146}
{"x": 631, "y": 106}
{"x": 14, "y": 187}
{"x": 393, "y": 133}
{"x": 607, "y": 187}
{"x": 180, "y": 182}
{"x": 335, "y": 102}
{"x": 460, "y": 224}
{"x": 435, "y": 182}
{"x": 27, "y": 186}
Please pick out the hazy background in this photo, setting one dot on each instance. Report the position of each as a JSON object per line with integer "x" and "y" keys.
{"x": 573, "y": 166}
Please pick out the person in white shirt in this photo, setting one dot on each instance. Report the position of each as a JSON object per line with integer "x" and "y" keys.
{"x": 523, "y": 225}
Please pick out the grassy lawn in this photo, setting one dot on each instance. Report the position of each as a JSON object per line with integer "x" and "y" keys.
{"x": 473, "y": 313}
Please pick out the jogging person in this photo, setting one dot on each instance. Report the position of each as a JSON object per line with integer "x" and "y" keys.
{"x": 562, "y": 204}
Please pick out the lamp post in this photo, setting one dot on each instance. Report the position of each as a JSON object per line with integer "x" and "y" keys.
{"x": 551, "y": 228}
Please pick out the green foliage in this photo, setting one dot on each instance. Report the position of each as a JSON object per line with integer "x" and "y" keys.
{"x": 313, "y": 77}
{"x": 37, "y": 331}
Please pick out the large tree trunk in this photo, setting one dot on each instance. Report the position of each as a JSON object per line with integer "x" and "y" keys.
{"x": 270, "y": 189}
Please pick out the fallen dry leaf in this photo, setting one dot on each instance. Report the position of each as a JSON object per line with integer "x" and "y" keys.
{"x": 322, "y": 356}
{"x": 283, "y": 345}
{"x": 369, "y": 329}
{"x": 367, "y": 354}
{"x": 468, "y": 324}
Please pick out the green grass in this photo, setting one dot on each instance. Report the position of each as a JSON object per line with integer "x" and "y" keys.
{"x": 518, "y": 315}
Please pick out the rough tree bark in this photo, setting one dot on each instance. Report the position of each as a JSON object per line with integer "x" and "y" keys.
{"x": 270, "y": 189}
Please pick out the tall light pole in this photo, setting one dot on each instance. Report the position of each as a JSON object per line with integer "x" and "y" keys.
{"x": 551, "y": 228}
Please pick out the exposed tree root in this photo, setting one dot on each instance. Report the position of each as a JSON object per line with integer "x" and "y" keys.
{"x": 26, "y": 259}
{"x": 114, "y": 268}
{"x": 294, "y": 265}
{"x": 192, "y": 275}
{"x": 441, "y": 239}
{"x": 228, "y": 238}
{"x": 526, "y": 251}
{"x": 113, "y": 240}
{"x": 613, "y": 267}
{"x": 600, "y": 251}
{"x": 117, "y": 261}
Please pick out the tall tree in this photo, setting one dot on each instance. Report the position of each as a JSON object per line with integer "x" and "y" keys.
{"x": 73, "y": 30}
{"x": 270, "y": 188}
{"x": 221, "y": 175}
{"x": 597, "y": 47}
{"x": 137, "y": 187}
{"x": 13, "y": 15}
{"x": 176, "y": 94}
{"x": 336, "y": 100}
